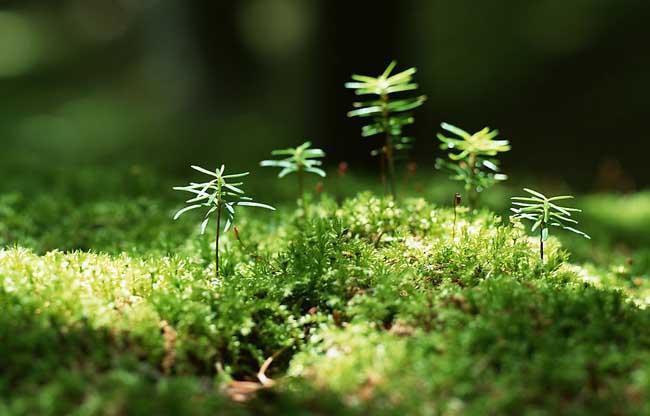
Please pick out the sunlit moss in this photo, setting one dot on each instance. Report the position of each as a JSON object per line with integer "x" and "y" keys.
{"x": 371, "y": 305}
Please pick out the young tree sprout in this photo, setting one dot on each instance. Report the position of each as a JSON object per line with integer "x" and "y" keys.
{"x": 299, "y": 159}
{"x": 473, "y": 159}
{"x": 386, "y": 115}
{"x": 544, "y": 213}
{"x": 216, "y": 195}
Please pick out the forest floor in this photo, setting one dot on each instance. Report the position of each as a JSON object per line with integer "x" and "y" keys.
{"x": 365, "y": 306}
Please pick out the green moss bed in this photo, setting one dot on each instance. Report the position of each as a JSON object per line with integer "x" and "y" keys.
{"x": 369, "y": 306}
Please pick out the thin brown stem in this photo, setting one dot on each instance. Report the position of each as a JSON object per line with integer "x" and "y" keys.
{"x": 382, "y": 167}
{"x": 387, "y": 150}
{"x": 453, "y": 231}
{"x": 457, "y": 201}
{"x": 541, "y": 243}
{"x": 301, "y": 189}
{"x": 216, "y": 243}
{"x": 391, "y": 171}
{"x": 472, "y": 197}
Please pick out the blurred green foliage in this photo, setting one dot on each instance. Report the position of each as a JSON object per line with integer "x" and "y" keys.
{"x": 101, "y": 81}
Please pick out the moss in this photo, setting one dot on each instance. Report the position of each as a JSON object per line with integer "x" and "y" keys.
{"x": 371, "y": 306}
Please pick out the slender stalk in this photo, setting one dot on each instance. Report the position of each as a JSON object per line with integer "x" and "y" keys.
{"x": 382, "y": 167}
{"x": 337, "y": 189}
{"x": 453, "y": 231}
{"x": 301, "y": 189}
{"x": 411, "y": 168}
{"x": 216, "y": 243}
{"x": 457, "y": 201}
{"x": 341, "y": 172}
{"x": 388, "y": 146}
{"x": 391, "y": 171}
{"x": 248, "y": 250}
{"x": 472, "y": 197}
{"x": 541, "y": 242}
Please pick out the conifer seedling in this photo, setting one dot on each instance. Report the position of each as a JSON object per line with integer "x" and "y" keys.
{"x": 544, "y": 213}
{"x": 387, "y": 115}
{"x": 472, "y": 159}
{"x": 300, "y": 160}
{"x": 216, "y": 195}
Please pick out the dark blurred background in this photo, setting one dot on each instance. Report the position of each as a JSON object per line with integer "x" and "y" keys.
{"x": 168, "y": 83}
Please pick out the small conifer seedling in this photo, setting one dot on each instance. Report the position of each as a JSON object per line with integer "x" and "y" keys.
{"x": 300, "y": 160}
{"x": 387, "y": 115}
{"x": 216, "y": 195}
{"x": 472, "y": 159}
{"x": 544, "y": 213}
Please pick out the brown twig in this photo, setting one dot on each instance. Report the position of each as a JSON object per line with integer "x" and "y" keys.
{"x": 261, "y": 375}
{"x": 241, "y": 391}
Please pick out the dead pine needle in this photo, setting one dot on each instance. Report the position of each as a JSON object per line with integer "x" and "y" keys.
{"x": 378, "y": 240}
{"x": 242, "y": 391}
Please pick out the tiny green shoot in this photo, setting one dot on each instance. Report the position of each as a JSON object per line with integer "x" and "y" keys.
{"x": 544, "y": 212}
{"x": 472, "y": 159}
{"x": 300, "y": 160}
{"x": 216, "y": 195}
{"x": 387, "y": 115}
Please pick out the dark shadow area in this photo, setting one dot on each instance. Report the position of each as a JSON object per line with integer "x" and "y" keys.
{"x": 167, "y": 84}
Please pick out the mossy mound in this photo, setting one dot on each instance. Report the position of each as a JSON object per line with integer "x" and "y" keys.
{"x": 369, "y": 306}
